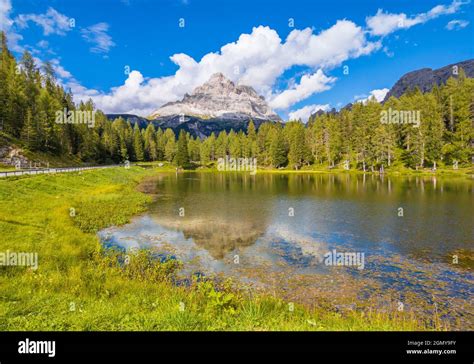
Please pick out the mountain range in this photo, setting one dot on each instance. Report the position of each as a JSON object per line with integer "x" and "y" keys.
{"x": 219, "y": 104}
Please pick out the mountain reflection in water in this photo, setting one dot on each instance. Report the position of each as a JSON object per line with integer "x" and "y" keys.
{"x": 224, "y": 215}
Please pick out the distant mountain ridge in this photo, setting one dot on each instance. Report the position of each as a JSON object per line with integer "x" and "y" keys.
{"x": 426, "y": 78}
{"x": 194, "y": 125}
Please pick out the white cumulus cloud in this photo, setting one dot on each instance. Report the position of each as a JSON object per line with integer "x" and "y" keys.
{"x": 305, "y": 112}
{"x": 383, "y": 23}
{"x": 256, "y": 59}
{"x": 379, "y": 95}
{"x": 309, "y": 84}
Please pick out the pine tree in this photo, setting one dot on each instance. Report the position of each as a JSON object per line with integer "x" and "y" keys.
{"x": 205, "y": 151}
{"x": 458, "y": 110}
{"x": 111, "y": 142}
{"x": 194, "y": 145}
{"x": 278, "y": 150}
{"x": 264, "y": 140}
{"x": 5, "y": 73}
{"x": 182, "y": 156}
{"x": 433, "y": 128}
{"x": 28, "y": 133}
{"x": 233, "y": 140}
{"x": 316, "y": 138}
{"x": 414, "y": 137}
{"x": 244, "y": 144}
{"x": 221, "y": 145}
{"x": 120, "y": 129}
{"x": 251, "y": 143}
{"x": 150, "y": 144}
{"x": 333, "y": 141}
{"x": 160, "y": 145}
{"x": 251, "y": 133}
{"x": 366, "y": 119}
{"x": 212, "y": 146}
{"x": 295, "y": 136}
{"x": 47, "y": 107}
{"x": 170, "y": 145}
{"x": 138, "y": 151}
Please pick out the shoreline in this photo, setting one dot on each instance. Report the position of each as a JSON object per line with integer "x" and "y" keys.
{"x": 461, "y": 172}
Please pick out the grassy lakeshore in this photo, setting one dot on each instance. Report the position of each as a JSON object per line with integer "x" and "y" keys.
{"x": 389, "y": 172}
{"x": 79, "y": 286}
{"x": 393, "y": 171}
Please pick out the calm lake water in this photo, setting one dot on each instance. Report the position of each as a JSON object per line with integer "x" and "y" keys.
{"x": 408, "y": 241}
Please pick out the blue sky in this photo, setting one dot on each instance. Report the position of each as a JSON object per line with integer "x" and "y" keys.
{"x": 135, "y": 55}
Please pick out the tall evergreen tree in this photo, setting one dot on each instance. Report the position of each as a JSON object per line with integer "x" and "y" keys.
{"x": 278, "y": 150}
{"x": 138, "y": 151}
{"x": 205, "y": 151}
{"x": 170, "y": 145}
{"x": 160, "y": 145}
{"x": 295, "y": 135}
{"x": 182, "y": 156}
{"x": 150, "y": 143}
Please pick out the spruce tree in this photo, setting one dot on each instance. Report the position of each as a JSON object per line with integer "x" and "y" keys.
{"x": 170, "y": 145}
{"x": 205, "y": 151}
{"x": 160, "y": 145}
{"x": 150, "y": 145}
{"x": 182, "y": 156}
{"x": 138, "y": 151}
{"x": 278, "y": 151}
{"x": 294, "y": 131}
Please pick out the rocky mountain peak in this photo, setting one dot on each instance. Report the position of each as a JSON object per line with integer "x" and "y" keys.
{"x": 216, "y": 85}
{"x": 220, "y": 98}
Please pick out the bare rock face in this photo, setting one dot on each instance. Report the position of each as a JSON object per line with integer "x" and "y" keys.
{"x": 220, "y": 98}
{"x": 12, "y": 156}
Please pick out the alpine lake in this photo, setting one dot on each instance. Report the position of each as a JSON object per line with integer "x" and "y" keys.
{"x": 344, "y": 241}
